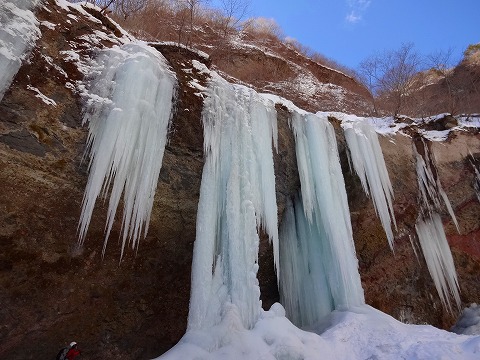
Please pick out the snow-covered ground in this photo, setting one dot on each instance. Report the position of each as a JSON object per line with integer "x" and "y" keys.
{"x": 359, "y": 334}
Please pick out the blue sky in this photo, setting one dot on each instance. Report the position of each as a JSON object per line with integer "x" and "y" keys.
{"x": 348, "y": 31}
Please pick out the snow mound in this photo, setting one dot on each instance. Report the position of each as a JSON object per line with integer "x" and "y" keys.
{"x": 469, "y": 321}
{"x": 362, "y": 333}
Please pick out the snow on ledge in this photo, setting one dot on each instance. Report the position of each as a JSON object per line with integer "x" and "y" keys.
{"x": 41, "y": 96}
{"x": 200, "y": 53}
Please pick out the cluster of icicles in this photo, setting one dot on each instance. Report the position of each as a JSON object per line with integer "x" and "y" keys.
{"x": 314, "y": 252}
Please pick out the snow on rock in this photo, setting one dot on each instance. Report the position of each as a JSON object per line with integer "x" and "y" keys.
{"x": 463, "y": 123}
{"x": 128, "y": 111}
{"x": 383, "y": 126}
{"x": 200, "y": 53}
{"x": 366, "y": 156}
{"x": 41, "y": 96}
{"x": 237, "y": 196}
{"x": 316, "y": 239}
{"x": 469, "y": 121}
{"x": 469, "y": 321}
{"x": 19, "y": 30}
{"x": 81, "y": 6}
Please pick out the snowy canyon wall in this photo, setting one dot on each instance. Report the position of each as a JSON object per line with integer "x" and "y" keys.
{"x": 54, "y": 292}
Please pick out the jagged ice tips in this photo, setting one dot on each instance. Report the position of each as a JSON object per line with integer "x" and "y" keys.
{"x": 366, "y": 156}
{"x": 429, "y": 226}
{"x": 128, "y": 112}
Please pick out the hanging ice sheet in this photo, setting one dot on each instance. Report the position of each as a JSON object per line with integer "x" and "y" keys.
{"x": 317, "y": 257}
{"x": 429, "y": 227}
{"x": 237, "y": 196}
{"x": 128, "y": 112}
{"x": 18, "y": 33}
{"x": 438, "y": 257}
{"x": 367, "y": 159}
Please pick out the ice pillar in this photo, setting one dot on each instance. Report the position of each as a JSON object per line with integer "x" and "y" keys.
{"x": 237, "y": 196}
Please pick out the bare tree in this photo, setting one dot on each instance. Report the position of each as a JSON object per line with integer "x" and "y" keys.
{"x": 187, "y": 11}
{"x": 368, "y": 72}
{"x": 441, "y": 62}
{"x": 390, "y": 76}
{"x": 130, "y": 7}
{"x": 263, "y": 27}
{"x": 123, "y": 8}
{"x": 233, "y": 13}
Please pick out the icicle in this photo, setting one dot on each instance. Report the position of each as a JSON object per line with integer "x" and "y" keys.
{"x": 321, "y": 237}
{"x": 18, "y": 33}
{"x": 476, "y": 178}
{"x": 128, "y": 115}
{"x": 429, "y": 226}
{"x": 439, "y": 258}
{"x": 237, "y": 196}
{"x": 429, "y": 184}
{"x": 369, "y": 164}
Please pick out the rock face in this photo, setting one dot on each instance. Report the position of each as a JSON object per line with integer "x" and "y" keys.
{"x": 54, "y": 292}
{"x": 399, "y": 283}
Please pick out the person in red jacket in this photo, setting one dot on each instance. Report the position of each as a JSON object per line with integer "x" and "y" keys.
{"x": 73, "y": 353}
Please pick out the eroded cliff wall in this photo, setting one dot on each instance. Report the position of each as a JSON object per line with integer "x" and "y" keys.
{"x": 54, "y": 292}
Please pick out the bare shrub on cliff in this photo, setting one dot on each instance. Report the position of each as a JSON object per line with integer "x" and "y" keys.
{"x": 263, "y": 28}
{"x": 441, "y": 62}
{"x": 233, "y": 12}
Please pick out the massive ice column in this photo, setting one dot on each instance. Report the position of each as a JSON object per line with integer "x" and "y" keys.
{"x": 317, "y": 257}
{"x": 128, "y": 114}
{"x": 237, "y": 196}
{"x": 18, "y": 33}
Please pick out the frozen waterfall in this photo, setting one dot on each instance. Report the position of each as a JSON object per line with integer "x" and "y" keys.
{"x": 317, "y": 253}
{"x": 128, "y": 114}
{"x": 237, "y": 196}
{"x": 18, "y": 33}
{"x": 429, "y": 227}
{"x": 369, "y": 164}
